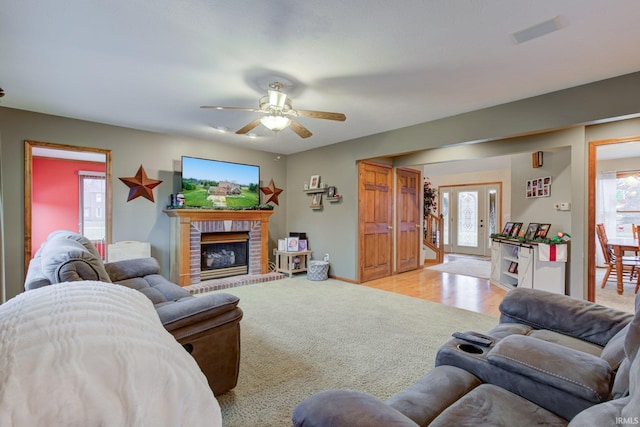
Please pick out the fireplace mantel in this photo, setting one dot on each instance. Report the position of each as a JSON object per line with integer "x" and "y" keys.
{"x": 181, "y": 224}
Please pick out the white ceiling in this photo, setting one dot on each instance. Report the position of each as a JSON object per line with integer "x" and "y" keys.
{"x": 150, "y": 64}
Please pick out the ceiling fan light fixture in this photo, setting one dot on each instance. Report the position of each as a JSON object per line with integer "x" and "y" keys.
{"x": 277, "y": 109}
{"x": 275, "y": 123}
{"x": 277, "y": 99}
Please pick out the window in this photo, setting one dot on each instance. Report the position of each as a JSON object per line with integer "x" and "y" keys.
{"x": 627, "y": 202}
{"x": 445, "y": 215}
{"x": 92, "y": 205}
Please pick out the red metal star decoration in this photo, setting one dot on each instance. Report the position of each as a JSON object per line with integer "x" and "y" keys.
{"x": 140, "y": 185}
{"x": 271, "y": 192}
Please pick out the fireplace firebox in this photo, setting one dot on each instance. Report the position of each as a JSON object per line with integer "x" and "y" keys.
{"x": 223, "y": 254}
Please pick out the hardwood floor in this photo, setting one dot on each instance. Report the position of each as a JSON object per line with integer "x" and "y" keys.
{"x": 470, "y": 293}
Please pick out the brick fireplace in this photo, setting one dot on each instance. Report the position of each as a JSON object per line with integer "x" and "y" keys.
{"x": 189, "y": 225}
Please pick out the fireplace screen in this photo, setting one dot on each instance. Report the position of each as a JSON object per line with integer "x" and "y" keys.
{"x": 223, "y": 255}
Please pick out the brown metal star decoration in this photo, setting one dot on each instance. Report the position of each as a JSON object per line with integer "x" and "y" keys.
{"x": 271, "y": 192}
{"x": 140, "y": 185}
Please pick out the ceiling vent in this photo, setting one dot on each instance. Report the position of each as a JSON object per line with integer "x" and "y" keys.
{"x": 536, "y": 31}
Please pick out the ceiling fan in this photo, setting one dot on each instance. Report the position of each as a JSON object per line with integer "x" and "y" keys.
{"x": 278, "y": 113}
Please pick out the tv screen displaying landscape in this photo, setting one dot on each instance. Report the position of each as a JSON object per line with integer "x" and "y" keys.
{"x": 219, "y": 185}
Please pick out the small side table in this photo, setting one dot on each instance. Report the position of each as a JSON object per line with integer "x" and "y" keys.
{"x": 285, "y": 262}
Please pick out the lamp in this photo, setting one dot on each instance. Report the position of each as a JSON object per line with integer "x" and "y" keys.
{"x": 275, "y": 122}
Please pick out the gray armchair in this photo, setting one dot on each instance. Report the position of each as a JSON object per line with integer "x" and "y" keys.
{"x": 581, "y": 371}
{"x": 208, "y": 327}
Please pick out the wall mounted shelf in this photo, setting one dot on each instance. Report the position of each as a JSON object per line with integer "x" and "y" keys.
{"x": 323, "y": 189}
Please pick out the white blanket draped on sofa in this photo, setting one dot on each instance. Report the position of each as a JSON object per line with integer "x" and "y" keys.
{"x": 96, "y": 354}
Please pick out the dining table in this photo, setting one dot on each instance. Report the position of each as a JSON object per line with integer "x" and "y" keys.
{"x": 620, "y": 245}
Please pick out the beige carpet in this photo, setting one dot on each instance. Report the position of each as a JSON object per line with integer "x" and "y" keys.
{"x": 465, "y": 265}
{"x": 299, "y": 337}
{"x": 609, "y": 295}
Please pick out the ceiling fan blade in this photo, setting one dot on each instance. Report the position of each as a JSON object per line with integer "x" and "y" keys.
{"x": 322, "y": 115}
{"x": 302, "y": 131}
{"x": 248, "y": 127}
{"x": 214, "y": 107}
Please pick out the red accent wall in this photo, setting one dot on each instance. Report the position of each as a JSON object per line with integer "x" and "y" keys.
{"x": 55, "y": 196}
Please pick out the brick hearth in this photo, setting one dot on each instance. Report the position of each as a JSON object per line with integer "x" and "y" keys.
{"x": 232, "y": 282}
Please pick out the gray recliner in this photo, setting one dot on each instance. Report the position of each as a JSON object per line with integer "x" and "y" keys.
{"x": 553, "y": 360}
{"x": 208, "y": 326}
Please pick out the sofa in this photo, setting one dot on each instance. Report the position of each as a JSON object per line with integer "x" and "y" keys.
{"x": 88, "y": 354}
{"x": 208, "y": 326}
{"x": 552, "y": 360}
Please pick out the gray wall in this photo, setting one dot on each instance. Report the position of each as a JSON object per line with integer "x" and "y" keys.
{"x": 139, "y": 219}
{"x": 557, "y": 165}
{"x": 570, "y": 109}
{"x": 334, "y": 229}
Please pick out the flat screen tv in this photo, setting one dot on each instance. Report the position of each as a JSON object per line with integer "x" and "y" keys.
{"x": 219, "y": 185}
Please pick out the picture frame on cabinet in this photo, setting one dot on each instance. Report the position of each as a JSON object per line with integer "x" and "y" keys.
{"x": 515, "y": 230}
{"x": 542, "y": 231}
{"x": 513, "y": 267}
{"x": 507, "y": 228}
{"x": 314, "y": 182}
{"x": 532, "y": 229}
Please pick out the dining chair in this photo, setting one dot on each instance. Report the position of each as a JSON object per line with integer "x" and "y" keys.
{"x": 634, "y": 230}
{"x": 635, "y": 236}
{"x": 628, "y": 263}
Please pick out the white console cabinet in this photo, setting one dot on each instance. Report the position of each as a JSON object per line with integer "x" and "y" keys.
{"x": 515, "y": 264}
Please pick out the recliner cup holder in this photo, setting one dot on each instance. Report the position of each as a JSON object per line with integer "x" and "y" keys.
{"x": 470, "y": 348}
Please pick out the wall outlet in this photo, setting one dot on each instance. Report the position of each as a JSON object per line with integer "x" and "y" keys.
{"x": 565, "y": 206}
{"x": 326, "y": 258}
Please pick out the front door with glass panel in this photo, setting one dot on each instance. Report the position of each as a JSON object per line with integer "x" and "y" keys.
{"x": 471, "y": 214}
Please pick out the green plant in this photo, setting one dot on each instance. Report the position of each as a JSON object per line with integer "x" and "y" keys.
{"x": 430, "y": 198}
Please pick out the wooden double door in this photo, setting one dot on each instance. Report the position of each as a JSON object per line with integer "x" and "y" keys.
{"x": 386, "y": 245}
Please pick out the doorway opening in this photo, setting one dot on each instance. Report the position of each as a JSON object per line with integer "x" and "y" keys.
{"x": 614, "y": 202}
{"x": 66, "y": 187}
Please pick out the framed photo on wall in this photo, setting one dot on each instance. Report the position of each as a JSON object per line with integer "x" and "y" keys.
{"x": 314, "y": 182}
{"x": 538, "y": 187}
